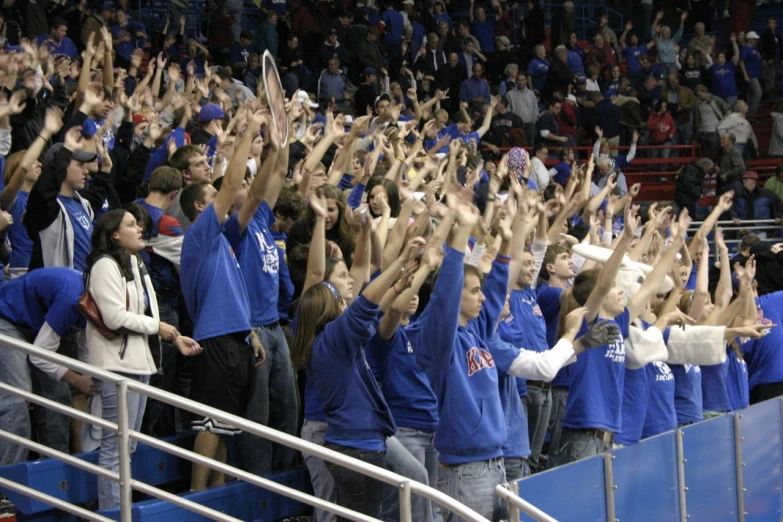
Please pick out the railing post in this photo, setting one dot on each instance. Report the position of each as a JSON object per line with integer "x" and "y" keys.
{"x": 405, "y": 501}
{"x": 681, "y": 460}
{"x": 123, "y": 433}
{"x": 738, "y": 457}
{"x": 609, "y": 486}
{"x": 513, "y": 510}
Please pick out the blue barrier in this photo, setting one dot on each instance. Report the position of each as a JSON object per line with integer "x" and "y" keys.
{"x": 656, "y": 480}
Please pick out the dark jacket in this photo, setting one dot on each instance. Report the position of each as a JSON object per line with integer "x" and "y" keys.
{"x": 760, "y": 204}
{"x": 767, "y": 45}
{"x": 631, "y": 114}
{"x": 689, "y": 182}
{"x": 558, "y": 78}
{"x": 369, "y": 55}
{"x": 609, "y": 114}
{"x": 26, "y": 125}
{"x": 563, "y": 24}
{"x": 731, "y": 166}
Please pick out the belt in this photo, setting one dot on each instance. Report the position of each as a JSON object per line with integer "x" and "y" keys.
{"x": 543, "y": 386}
{"x": 498, "y": 460}
{"x": 271, "y": 325}
{"x": 606, "y": 436}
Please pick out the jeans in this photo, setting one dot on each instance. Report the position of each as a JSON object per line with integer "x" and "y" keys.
{"x": 530, "y": 133}
{"x": 711, "y": 414}
{"x": 661, "y": 153}
{"x": 559, "y": 399}
{"x": 473, "y": 484}
{"x": 516, "y": 469}
{"x": 711, "y": 140}
{"x": 684, "y": 134}
{"x": 421, "y": 445}
{"x": 403, "y": 462}
{"x": 271, "y": 402}
{"x": 539, "y": 407}
{"x": 109, "y": 455}
{"x": 234, "y": 10}
{"x": 754, "y": 96}
{"x": 320, "y": 478}
{"x": 354, "y": 490}
{"x": 577, "y": 445}
{"x": 14, "y": 415}
{"x": 52, "y": 429}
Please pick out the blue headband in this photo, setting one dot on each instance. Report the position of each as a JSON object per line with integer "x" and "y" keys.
{"x": 331, "y": 288}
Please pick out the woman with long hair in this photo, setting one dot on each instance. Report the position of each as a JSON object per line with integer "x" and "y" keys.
{"x": 123, "y": 292}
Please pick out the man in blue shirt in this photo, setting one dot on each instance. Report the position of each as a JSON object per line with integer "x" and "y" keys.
{"x": 633, "y": 50}
{"x": 483, "y": 28}
{"x": 750, "y": 63}
{"x": 240, "y": 52}
{"x": 394, "y": 24}
{"x": 475, "y": 89}
{"x": 216, "y": 297}
{"x": 461, "y": 128}
{"x": 57, "y": 42}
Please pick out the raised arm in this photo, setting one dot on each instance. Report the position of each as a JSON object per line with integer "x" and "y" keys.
{"x": 488, "y": 117}
{"x": 258, "y": 188}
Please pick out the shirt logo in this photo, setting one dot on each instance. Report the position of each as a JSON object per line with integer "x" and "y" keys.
{"x": 694, "y": 367}
{"x": 84, "y": 221}
{"x": 478, "y": 360}
{"x": 663, "y": 373}
{"x": 269, "y": 254}
{"x": 616, "y": 352}
{"x": 410, "y": 348}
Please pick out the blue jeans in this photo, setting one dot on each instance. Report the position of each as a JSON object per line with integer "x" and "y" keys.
{"x": 539, "y": 407}
{"x": 271, "y": 402}
{"x": 52, "y": 429}
{"x": 559, "y": 399}
{"x": 405, "y": 463}
{"x": 14, "y": 415}
{"x": 473, "y": 484}
{"x": 354, "y": 490}
{"x": 711, "y": 140}
{"x": 661, "y": 153}
{"x": 577, "y": 445}
{"x": 109, "y": 455}
{"x": 754, "y": 96}
{"x": 320, "y": 478}
{"x": 516, "y": 469}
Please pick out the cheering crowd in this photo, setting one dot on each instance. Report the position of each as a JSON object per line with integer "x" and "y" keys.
{"x": 377, "y": 276}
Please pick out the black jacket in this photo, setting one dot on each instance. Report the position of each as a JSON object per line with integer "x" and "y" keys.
{"x": 767, "y": 45}
{"x": 689, "y": 182}
{"x": 26, "y": 125}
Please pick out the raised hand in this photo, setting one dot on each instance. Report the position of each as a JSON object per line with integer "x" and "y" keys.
{"x": 318, "y": 204}
{"x": 632, "y": 221}
{"x": 53, "y": 121}
{"x": 73, "y": 139}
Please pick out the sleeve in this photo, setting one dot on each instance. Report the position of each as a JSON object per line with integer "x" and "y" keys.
{"x": 643, "y": 347}
{"x": 435, "y": 333}
{"x": 233, "y": 234}
{"x": 97, "y": 191}
{"x": 108, "y": 289}
{"x": 42, "y": 208}
{"x": 349, "y": 333}
{"x": 495, "y": 289}
{"x": 48, "y": 339}
{"x": 5, "y": 142}
{"x": 130, "y": 181}
{"x": 168, "y": 242}
{"x": 356, "y": 195}
{"x": 542, "y": 366}
{"x": 379, "y": 348}
{"x": 539, "y": 251}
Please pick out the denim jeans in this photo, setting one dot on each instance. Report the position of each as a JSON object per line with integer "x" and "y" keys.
{"x": 539, "y": 407}
{"x": 661, "y": 153}
{"x": 684, "y": 134}
{"x": 354, "y": 490}
{"x": 52, "y": 429}
{"x": 421, "y": 445}
{"x": 320, "y": 478}
{"x": 473, "y": 484}
{"x": 109, "y": 455}
{"x": 559, "y": 399}
{"x": 516, "y": 469}
{"x": 754, "y": 96}
{"x": 271, "y": 402}
{"x": 577, "y": 445}
{"x": 14, "y": 415}
{"x": 711, "y": 140}
{"x": 403, "y": 462}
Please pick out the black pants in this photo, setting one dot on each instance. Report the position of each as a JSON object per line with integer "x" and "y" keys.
{"x": 354, "y": 490}
{"x": 763, "y": 392}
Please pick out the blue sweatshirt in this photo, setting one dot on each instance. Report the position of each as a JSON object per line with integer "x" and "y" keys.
{"x": 459, "y": 366}
{"x": 661, "y": 414}
{"x": 356, "y": 412}
{"x": 517, "y": 444}
{"x": 404, "y": 384}
{"x": 724, "y": 84}
{"x": 525, "y": 326}
{"x": 764, "y": 356}
{"x": 596, "y": 393}
{"x": 549, "y": 302}
{"x": 286, "y": 294}
{"x": 687, "y": 393}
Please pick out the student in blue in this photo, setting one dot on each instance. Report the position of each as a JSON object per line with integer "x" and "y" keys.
{"x": 538, "y": 68}
{"x": 216, "y": 297}
{"x": 750, "y": 64}
{"x": 272, "y": 401}
{"x": 59, "y": 209}
{"x": 483, "y": 28}
{"x": 461, "y": 128}
{"x": 128, "y": 35}
{"x": 22, "y": 170}
{"x": 39, "y": 308}
{"x": 632, "y": 50}
{"x": 329, "y": 338}
{"x": 394, "y": 23}
{"x": 724, "y": 84}
{"x": 57, "y": 41}
{"x": 594, "y": 407}
{"x": 241, "y": 51}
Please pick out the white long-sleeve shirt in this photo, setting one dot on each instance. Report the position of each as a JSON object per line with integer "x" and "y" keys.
{"x": 542, "y": 366}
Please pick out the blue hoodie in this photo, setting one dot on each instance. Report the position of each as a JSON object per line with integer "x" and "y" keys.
{"x": 356, "y": 412}
{"x": 517, "y": 444}
{"x": 459, "y": 366}
{"x": 525, "y": 326}
{"x": 404, "y": 384}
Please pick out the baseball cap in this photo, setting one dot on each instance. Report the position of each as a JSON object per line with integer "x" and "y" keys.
{"x": 211, "y": 111}
{"x": 79, "y": 155}
{"x": 384, "y": 96}
{"x": 332, "y": 31}
{"x": 750, "y": 175}
{"x": 304, "y": 98}
{"x": 753, "y": 35}
{"x": 139, "y": 118}
{"x": 581, "y": 78}
{"x": 368, "y": 71}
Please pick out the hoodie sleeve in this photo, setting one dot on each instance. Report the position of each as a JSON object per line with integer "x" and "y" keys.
{"x": 495, "y": 289}
{"x": 349, "y": 333}
{"x": 42, "y": 207}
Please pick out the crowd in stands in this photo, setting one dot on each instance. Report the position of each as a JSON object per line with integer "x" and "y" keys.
{"x": 393, "y": 277}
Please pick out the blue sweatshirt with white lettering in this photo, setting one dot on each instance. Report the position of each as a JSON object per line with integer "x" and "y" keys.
{"x": 459, "y": 366}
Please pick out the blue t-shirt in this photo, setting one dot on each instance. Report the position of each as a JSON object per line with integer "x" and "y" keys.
{"x": 394, "y": 25}
{"x": 563, "y": 170}
{"x": 538, "y": 69}
{"x": 286, "y": 293}
{"x": 47, "y": 295}
{"x": 764, "y": 356}
{"x": 687, "y": 393}
{"x": 278, "y": 6}
{"x": 661, "y": 413}
{"x": 484, "y": 33}
{"x": 453, "y": 131}
{"x": 575, "y": 62}
{"x": 212, "y": 282}
{"x": 737, "y": 382}
{"x": 65, "y": 47}
{"x": 21, "y": 244}
{"x": 549, "y": 302}
{"x": 525, "y": 326}
{"x": 596, "y": 391}
{"x": 241, "y": 54}
{"x": 82, "y": 231}
{"x": 636, "y": 394}
{"x": 259, "y": 260}
{"x": 714, "y": 391}
{"x": 724, "y": 84}
{"x": 752, "y": 59}
{"x": 632, "y": 54}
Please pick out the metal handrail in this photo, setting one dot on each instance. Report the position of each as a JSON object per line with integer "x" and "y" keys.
{"x": 510, "y": 493}
{"x": 405, "y": 485}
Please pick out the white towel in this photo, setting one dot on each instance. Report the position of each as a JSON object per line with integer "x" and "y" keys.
{"x": 702, "y": 345}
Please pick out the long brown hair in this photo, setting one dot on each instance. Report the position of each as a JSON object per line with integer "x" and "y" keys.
{"x": 344, "y": 236}
{"x": 318, "y": 306}
{"x": 577, "y": 295}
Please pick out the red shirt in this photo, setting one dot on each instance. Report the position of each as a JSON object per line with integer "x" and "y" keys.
{"x": 661, "y": 128}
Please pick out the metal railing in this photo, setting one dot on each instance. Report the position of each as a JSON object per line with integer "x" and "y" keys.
{"x": 127, "y": 483}
{"x": 753, "y": 226}
{"x": 516, "y": 504}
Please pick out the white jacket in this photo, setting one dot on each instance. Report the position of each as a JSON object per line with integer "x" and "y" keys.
{"x": 108, "y": 288}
